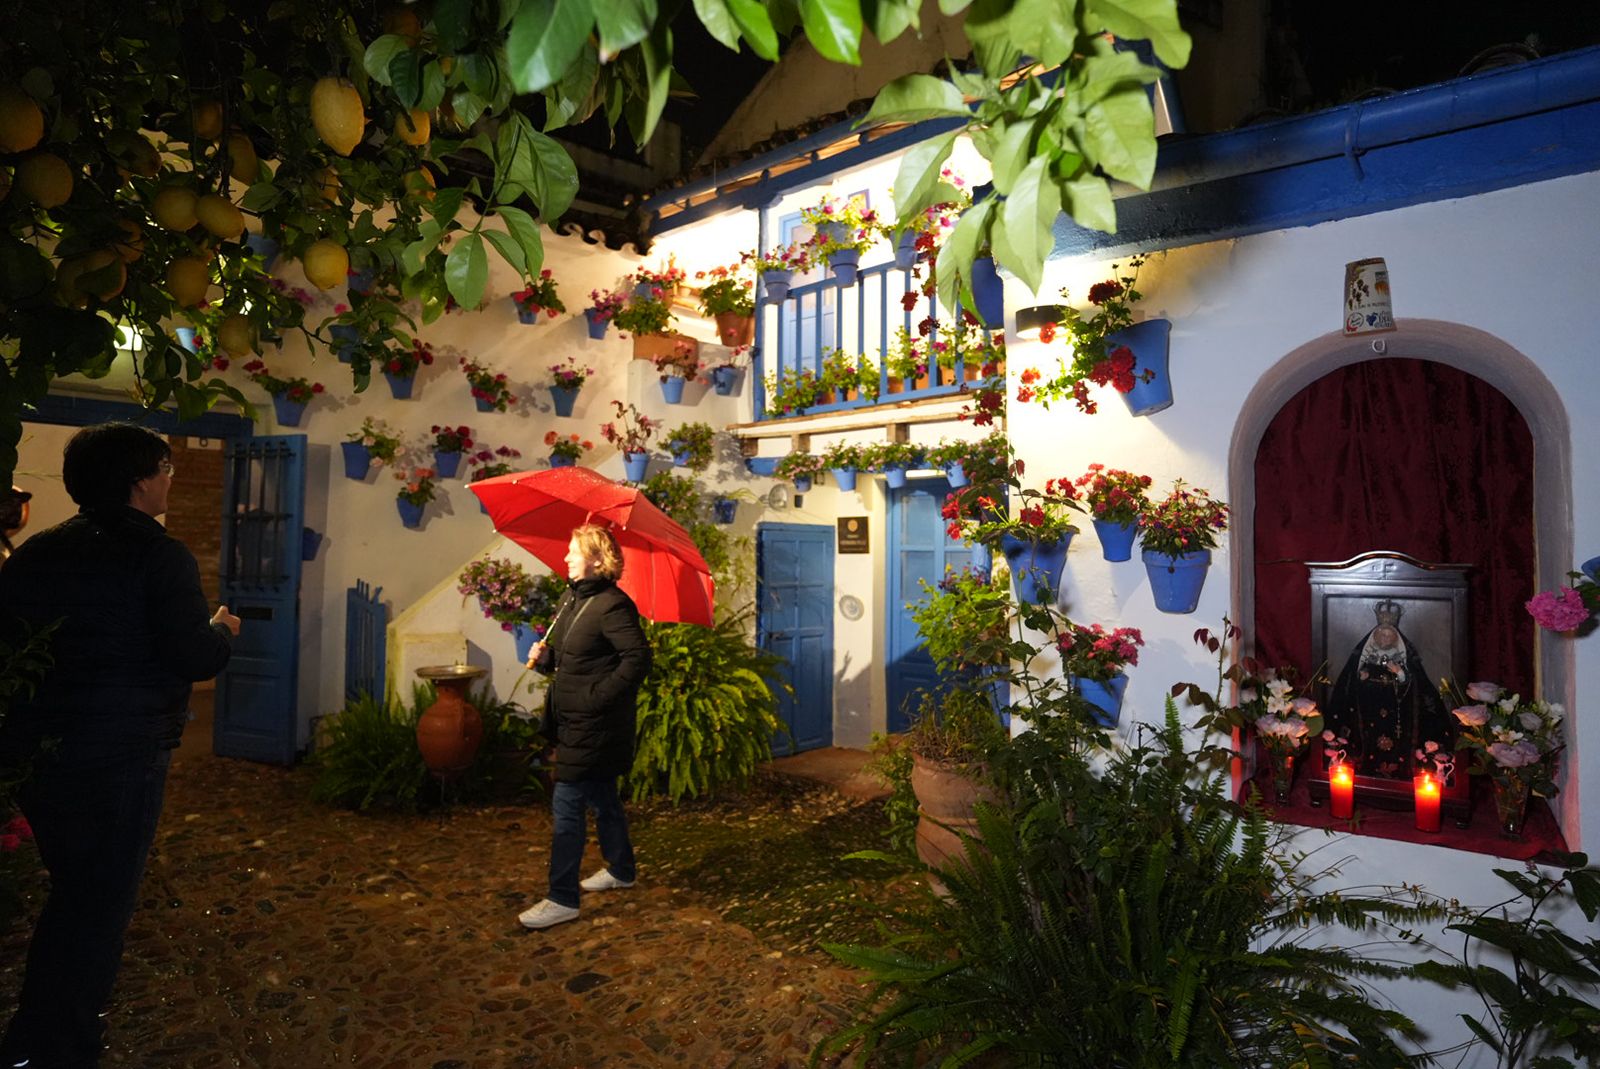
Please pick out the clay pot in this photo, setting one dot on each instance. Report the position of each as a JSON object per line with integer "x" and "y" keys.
{"x": 734, "y": 329}
{"x": 450, "y": 730}
{"x": 947, "y": 801}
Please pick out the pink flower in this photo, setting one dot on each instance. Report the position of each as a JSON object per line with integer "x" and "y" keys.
{"x": 1473, "y": 716}
{"x": 1558, "y": 610}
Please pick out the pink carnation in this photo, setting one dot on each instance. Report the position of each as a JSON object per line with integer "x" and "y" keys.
{"x": 1558, "y": 610}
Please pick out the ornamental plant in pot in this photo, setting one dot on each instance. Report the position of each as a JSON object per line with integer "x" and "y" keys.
{"x": 1115, "y": 499}
{"x": 725, "y": 376}
{"x": 777, "y": 268}
{"x": 521, "y": 603}
{"x": 603, "y": 308}
{"x": 400, "y": 367}
{"x": 691, "y": 445}
{"x": 981, "y": 463}
{"x": 1514, "y": 743}
{"x": 631, "y": 432}
{"x": 908, "y": 360}
{"x": 676, "y": 367}
{"x": 790, "y": 391}
{"x": 844, "y": 460}
{"x": 490, "y": 392}
{"x": 801, "y": 468}
{"x": 1094, "y": 659}
{"x": 1177, "y": 535}
{"x": 846, "y": 376}
{"x": 416, "y": 492}
{"x": 1569, "y": 608}
{"x": 538, "y": 297}
{"x": 729, "y": 298}
{"x": 372, "y": 444}
{"x": 892, "y": 460}
{"x": 1034, "y": 541}
{"x": 921, "y": 237}
{"x": 566, "y": 450}
{"x": 449, "y": 444}
{"x": 843, "y": 232}
{"x": 566, "y": 379}
{"x": 954, "y": 739}
{"x": 488, "y": 463}
{"x": 289, "y": 396}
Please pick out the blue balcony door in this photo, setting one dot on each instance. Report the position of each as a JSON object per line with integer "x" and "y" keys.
{"x": 263, "y": 513}
{"x": 919, "y": 551}
{"x": 794, "y": 589}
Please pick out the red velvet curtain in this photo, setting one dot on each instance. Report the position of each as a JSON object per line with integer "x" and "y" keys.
{"x": 1407, "y": 455}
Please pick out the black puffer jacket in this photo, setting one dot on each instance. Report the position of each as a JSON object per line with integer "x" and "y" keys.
{"x": 599, "y": 655}
{"x": 135, "y": 634}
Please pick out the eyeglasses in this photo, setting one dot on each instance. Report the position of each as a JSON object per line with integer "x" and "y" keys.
{"x": 167, "y": 468}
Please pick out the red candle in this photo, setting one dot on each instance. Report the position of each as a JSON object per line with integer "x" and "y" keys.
{"x": 1341, "y": 791}
{"x": 1426, "y": 791}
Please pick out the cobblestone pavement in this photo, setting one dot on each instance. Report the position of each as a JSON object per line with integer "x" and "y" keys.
{"x": 276, "y": 932}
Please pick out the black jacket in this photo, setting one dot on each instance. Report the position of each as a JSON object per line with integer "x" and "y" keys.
{"x": 135, "y": 634}
{"x": 599, "y": 655}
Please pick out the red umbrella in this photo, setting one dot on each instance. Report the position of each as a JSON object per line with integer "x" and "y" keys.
{"x": 662, "y": 569}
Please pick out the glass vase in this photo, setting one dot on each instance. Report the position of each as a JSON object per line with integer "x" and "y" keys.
{"x": 1510, "y": 806}
{"x": 1283, "y": 768}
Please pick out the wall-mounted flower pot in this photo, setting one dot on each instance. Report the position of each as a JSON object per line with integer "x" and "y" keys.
{"x": 345, "y": 338}
{"x": 1104, "y": 697}
{"x": 263, "y": 247}
{"x": 310, "y": 542}
{"x": 894, "y": 475}
{"x": 359, "y": 282}
{"x": 1036, "y": 565}
{"x": 776, "y": 285}
{"x": 357, "y": 459}
{"x": 1151, "y": 344}
{"x": 185, "y": 336}
{"x": 956, "y": 474}
{"x": 845, "y": 478}
{"x": 672, "y": 389}
{"x": 400, "y": 386}
{"x": 559, "y": 460}
{"x": 410, "y": 514}
{"x": 899, "y": 385}
{"x": 447, "y": 464}
{"x": 563, "y": 398}
{"x": 802, "y": 484}
{"x": 635, "y": 465}
{"x": 723, "y": 509}
{"x": 481, "y": 405}
{"x": 1116, "y": 539}
{"x": 905, "y": 250}
{"x": 764, "y": 466}
{"x": 843, "y": 263}
{"x": 1175, "y": 582}
{"x": 724, "y": 379}
{"x": 734, "y": 329}
{"x": 680, "y": 457}
{"x": 524, "y": 637}
{"x": 288, "y": 413}
{"x": 650, "y": 346}
{"x": 988, "y": 293}
{"x": 528, "y": 316}
{"x": 598, "y": 324}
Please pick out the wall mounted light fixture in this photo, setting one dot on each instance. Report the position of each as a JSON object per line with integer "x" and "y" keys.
{"x": 1030, "y": 320}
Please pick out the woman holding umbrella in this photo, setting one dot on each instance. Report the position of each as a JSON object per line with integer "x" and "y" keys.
{"x": 597, "y": 655}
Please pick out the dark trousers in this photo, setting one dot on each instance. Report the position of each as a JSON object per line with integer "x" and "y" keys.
{"x": 94, "y": 830}
{"x": 569, "y": 805}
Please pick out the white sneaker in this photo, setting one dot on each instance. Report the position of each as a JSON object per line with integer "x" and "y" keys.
{"x": 547, "y": 914}
{"x": 604, "y": 881}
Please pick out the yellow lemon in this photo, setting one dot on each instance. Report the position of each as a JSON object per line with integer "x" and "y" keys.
{"x": 243, "y": 163}
{"x": 207, "y": 120}
{"x": 446, "y": 65}
{"x": 414, "y": 127}
{"x": 99, "y": 273}
{"x": 403, "y": 22}
{"x": 21, "y": 121}
{"x": 337, "y": 114}
{"x": 420, "y": 183}
{"x": 45, "y": 179}
{"x": 236, "y": 334}
{"x": 218, "y": 215}
{"x": 174, "y": 208}
{"x": 130, "y": 246}
{"x": 326, "y": 264}
{"x": 326, "y": 179}
{"x": 188, "y": 277}
{"x": 134, "y": 155}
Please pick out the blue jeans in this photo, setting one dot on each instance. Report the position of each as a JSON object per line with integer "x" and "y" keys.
{"x": 569, "y": 805}
{"x": 94, "y": 830}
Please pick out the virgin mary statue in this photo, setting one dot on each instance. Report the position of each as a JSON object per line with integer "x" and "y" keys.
{"x": 1383, "y": 705}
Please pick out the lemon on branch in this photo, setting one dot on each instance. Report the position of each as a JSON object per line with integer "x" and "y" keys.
{"x": 337, "y": 114}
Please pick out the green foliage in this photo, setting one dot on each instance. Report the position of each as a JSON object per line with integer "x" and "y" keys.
{"x": 707, "y": 710}
{"x": 695, "y": 439}
{"x": 962, "y": 622}
{"x": 891, "y": 762}
{"x": 956, "y": 725}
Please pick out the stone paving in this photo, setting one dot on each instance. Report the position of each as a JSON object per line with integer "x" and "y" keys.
{"x": 275, "y": 932}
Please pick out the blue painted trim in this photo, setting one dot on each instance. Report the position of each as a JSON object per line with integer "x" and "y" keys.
{"x": 84, "y": 411}
{"x": 1503, "y": 128}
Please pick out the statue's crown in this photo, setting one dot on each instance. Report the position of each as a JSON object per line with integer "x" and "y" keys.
{"x": 1388, "y": 613}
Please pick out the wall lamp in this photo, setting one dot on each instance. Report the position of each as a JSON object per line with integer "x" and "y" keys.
{"x": 1030, "y": 320}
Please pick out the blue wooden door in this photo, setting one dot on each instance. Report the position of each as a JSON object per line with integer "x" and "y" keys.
{"x": 919, "y": 551}
{"x": 263, "y": 512}
{"x": 794, "y": 589}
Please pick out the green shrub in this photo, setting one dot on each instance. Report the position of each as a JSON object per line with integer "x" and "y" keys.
{"x": 891, "y": 762}
{"x": 707, "y": 710}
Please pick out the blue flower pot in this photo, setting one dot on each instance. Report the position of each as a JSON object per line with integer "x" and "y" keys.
{"x": 724, "y": 379}
{"x": 288, "y": 413}
{"x": 447, "y": 464}
{"x": 644, "y": 291}
{"x": 1175, "y": 582}
{"x": 410, "y": 515}
{"x": 1151, "y": 342}
{"x": 762, "y": 465}
{"x": 980, "y": 559}
{"x": 359, "y": 282}
{"x": 527, "y": 316}
{"x": 563, "y": 398}
{"x": 345, "y": 341}
{"x": 802, "y": 485}
{"x": 1035, "y": 566}
{"x": 843, "y": 264}
{"x": 310, "y": 542}
{"x": 905, "y": 250}
{"x": 1591, "y": 568}
{"x": 1104, "y": 697}
{"x": 559, "y": 461}
{"x": 845, "y": 477}
{"x": 634, "y": 465}
{"x": 400, "y": 387}
{"x": 185, "y": 336}
{"x": 525, "y": 637}
{"x": 988, "y": 294}
{"x": 597, "y": 325}
{"x": 357, "y": 460}
{"x": 894, "y": 475}
{"x": 481, "y": 405}
{"x": 680, "y": 457}
{"x": 1116, "y": 539}
{"x": 956, "y": 474}
{"x": 776, "y": 284}
{"x": 672, "y": 389}
{"x": 263, "y": 247}
{"x": 723, "y": 509}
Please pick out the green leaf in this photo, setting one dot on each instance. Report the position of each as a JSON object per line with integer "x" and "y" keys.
{"x": 834, "y": 28}
{"x": 1106, "y": 73}
{"x": 756, "y": 24}
{"x": 566, "y": 101}
{"x": 917, "y": 181}
{"x": 1030, "y": 214}
{"x": 432, "y": 86}
{"x": 890, "y": 18}
{"x": 718, "y": 21}
{"x": 623, "y": 24}
{"x": 555, "y": 176}
{"x": 1011, "y": 152}
{"x": 466, "y": 271}
{"x": 405, "y": 75}
{"x": 544, "y": 40}
{"x": 508, "y": 248}
{"x": 1047, "y": 27}
{"x": 521, "y": 226}
{"x": 1155, "y": 21}
{"x": 452, "y": 24}
{"x": 914, "y": 97}
{"x": 953, "y": 7}
{"x": 954, "y": 265}
{"x": 380, "y": 54}
{"x": 656, "y": 52}
{"x": 1119, "y": 134}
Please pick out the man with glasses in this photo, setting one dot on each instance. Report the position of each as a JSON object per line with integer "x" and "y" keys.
{"x": 133, "y": 635}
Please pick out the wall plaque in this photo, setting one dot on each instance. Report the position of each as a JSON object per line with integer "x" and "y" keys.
{"x": 853, "y": 535}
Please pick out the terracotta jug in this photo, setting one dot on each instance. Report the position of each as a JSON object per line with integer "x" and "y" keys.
{"x": 450, "y": 730}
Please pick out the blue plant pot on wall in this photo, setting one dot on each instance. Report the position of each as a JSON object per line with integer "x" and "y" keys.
{"x": 597, "y": 325}
{"x": 1151, "y": 342}
{"x": 357, "y": 460}
{"x": 672, "y": 389}
{"x": 776, "y": 285}
{"x": 185, "y": 336}
{"x": 1175, "y": 582}
{"x": 563, "y": 399}
{"x": 802, "y": 484}
{"x": 905, "y": 250}
{"x": 723, "y": 509}
{"x": 410, "y": 515}
{"x": 845, "y": 478}
{"x": 1116, "y": 539}
{"x": 1591, "y": 568}
{"x": 843, "y": 264}
{"x": 559, "y": 461}
{"x": 310, "y": 542}
{"x": 359, "y": 282}
{"x": 765, "y": 466}
{"x": 447, "y": 464}
{"x": 345, "y": 339}
{"x": 527, "y": 316}
{"x": 1035, "y": 566}
{"x": 988, "y": 293}
{"x": 481, "y": 405}
{"x": 1104, "y": 697}
{"x": 288, "y": 413}
{"x": 263, "y": 247}
{"x": 634, "y": 465}
{"x": 680, "y": 457}
{"x": 400, "y": 387}
{"x": 724, "y": 379}
{"x": 524, "y": 636}
{"x": 956, "y": 474}
{"x": 894, "y": 475}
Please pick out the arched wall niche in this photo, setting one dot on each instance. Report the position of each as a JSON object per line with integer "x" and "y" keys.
{"x": 1511, "y": 372}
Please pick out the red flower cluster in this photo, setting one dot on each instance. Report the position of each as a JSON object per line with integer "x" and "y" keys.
{"x": 405, "y": 365}
{"x": 1113, "y": 494}
{"x": 1094, "y": 653}
{"x": 570, "y": 446}
{"x": 987, "y": 403}
{"x": 15, "y": 832}
{"x": 1117, "y": 370}
{"x": 1101, "y": 292}
{"x": 908, "y": 300}
{"x": 1047, "y": 333}
{"x": 452, "y": 439}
